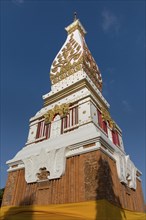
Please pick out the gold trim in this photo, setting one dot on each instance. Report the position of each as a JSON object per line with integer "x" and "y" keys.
{"x": 64, "y": 93}
{"x": 76, "y": 27}
{"x": 72, "y": 89}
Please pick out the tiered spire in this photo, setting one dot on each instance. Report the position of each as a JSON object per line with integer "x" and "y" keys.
{"x": 75, "y": 56}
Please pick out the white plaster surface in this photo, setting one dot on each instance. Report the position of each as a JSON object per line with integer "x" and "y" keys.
{"x": 53, "y": 161}
{"x": 56, "y": 127}
{"x": 84, "y": 113}
{"x": 32, "y": 133}
{"x": 109, "y": 133}
{"x": 94, "y": 115}
{"x": 51, "y": 154}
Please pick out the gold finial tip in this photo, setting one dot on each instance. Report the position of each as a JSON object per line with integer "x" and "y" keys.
{"x": 75, "y": 16}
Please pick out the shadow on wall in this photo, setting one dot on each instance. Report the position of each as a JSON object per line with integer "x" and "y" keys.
{"x": 22, "y": 212}
{"x": 105, "y": 191}
{"x": 104, "y": 194}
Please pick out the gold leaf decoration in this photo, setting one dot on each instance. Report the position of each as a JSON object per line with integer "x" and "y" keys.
{"x": 72, "y": 59}
{"x": 106, "y": 117}
{"x": 67, "y": 60}
{"x": 90, "y": 67}
{"x": 75, "y": 28}
{"x": 62, "y": 110}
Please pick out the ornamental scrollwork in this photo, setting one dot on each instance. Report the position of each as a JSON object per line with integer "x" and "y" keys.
{"x": 73, "y": 58}
{"x": 90, "y": 67}
{"x": 62, "y": 110}
{"x": 67, "y": 62}
{"x": 106, "y": 117}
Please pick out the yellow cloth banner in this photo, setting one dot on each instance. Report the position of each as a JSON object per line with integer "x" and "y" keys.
{"x": 93, "y": 210}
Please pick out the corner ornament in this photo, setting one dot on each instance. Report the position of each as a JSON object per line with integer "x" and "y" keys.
{"x": 62, "y": 110}
{"x": 106, "y": 117}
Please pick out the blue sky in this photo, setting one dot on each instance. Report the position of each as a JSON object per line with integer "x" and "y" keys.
{"x": 32, "y": 33}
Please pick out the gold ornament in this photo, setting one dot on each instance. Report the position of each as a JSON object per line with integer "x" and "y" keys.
{"x": 62, "y": 110}
{"x": 76, "y": 27}
{"x": 90, "y": 67}
{"x": 106, "y": 117}
{"x": 66, "y": 62}
{"x": 72, "y": 59}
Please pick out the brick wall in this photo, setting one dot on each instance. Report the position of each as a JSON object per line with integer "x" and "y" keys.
{"x": 88, "y": 176}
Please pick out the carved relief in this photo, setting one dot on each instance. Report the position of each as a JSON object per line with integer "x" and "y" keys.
{"x": 98, "y": 180}
{"x": 130, "y": 173}
{"x": 62, "y": 110}
{"x": 59, "y": 162}
{"x": 43, "y": 174}
{"x": 52, "y": 165}
{"x": 90, "y": 179}
{"x": 126, "y": 170}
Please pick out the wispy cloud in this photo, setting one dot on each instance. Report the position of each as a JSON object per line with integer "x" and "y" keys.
{"x": 110, "y": 22}
{"x": 18, "y": 2}
{"x": 126, "y": 106}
